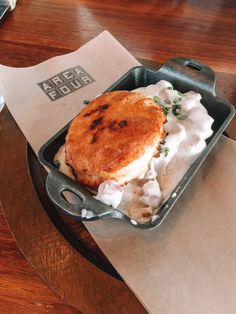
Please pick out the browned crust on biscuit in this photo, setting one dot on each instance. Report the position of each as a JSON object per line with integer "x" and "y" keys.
{"x": 110, "y": 133}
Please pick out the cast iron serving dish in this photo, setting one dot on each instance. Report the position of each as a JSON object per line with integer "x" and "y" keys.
{"x": 185, "y": 75}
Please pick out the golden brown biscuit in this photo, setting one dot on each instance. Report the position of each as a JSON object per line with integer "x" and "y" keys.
{"x": 114, "y": 137}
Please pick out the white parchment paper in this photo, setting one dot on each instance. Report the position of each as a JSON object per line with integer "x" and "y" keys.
{"x": 39, "y": 118}
{"x": 188, "y": 264}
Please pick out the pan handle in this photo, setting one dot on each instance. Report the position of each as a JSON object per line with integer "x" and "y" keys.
{"x": 86, "y": 208}
{"x": 201, "y": 75}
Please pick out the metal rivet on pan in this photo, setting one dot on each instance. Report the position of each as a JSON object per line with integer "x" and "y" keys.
{"x": 89, "y": 214}
{"x": 155, "y": 217}
{"x": 83, "y": 212}
{"x": 174, "y": 195}
{"x": 177, "y": 190}
{"x": 134, "y": 222}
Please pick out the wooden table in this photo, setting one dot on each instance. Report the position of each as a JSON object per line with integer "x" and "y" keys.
{"x": 152, "y": 30}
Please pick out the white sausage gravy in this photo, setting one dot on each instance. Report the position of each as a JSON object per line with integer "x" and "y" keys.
{"x": 188, "y": 126}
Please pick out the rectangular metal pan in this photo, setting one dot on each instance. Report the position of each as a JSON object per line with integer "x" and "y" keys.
{"x": 185, "y": 75}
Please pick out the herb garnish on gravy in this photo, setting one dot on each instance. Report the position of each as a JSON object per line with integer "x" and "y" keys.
{"x": 188, "y": 126}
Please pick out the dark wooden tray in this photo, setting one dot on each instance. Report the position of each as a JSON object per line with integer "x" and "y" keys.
{"x": 60, "y": 249}
{"x": 73, "y": 231}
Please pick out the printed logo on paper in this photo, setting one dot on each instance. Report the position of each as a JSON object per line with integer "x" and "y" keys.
{"x": 65, "y": 82}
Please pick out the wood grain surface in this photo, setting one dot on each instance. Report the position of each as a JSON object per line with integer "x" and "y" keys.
{"x": 152, "y": 30}
{"x": 21, "y": 290}
{"x": 36, "y": 31}
{"x": 79, "y": 282}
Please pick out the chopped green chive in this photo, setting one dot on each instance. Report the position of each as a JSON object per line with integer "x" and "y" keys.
{"x": 157, "y": 100}
{"x": 182, "y": 115}
{"x": 176, "y": 108}
{"x": 170, "y": 88}
{"x": 86, "y": 102}
{"x": 166, "y": 151}
{"x": 56, "y": 164}
{"x": 165, "y": 110}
